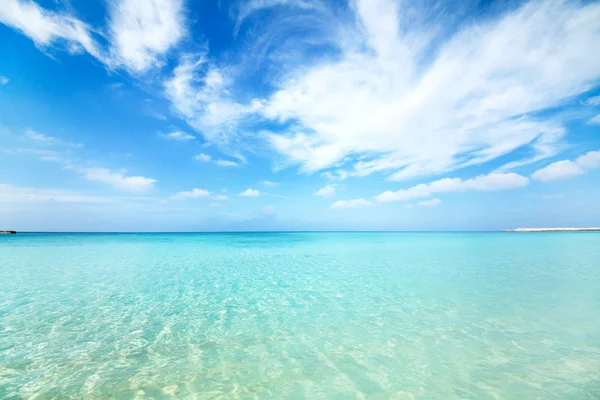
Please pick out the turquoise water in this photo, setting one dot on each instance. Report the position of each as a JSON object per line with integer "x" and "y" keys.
{"x": 300, "y": 316}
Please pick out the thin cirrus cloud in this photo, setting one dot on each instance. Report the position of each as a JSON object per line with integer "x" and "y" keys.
{"x": 19, "y": 194}
{"x": 141, "y": 31}
{"x": 3, "y": 80}
{"x": 50, "y": 140}
{"x": 203, "y": 157}
{"x": 178, "y": 136}
{"x": 566, "y": 169}
{"x": 400, "y": 100}
{"x": 594, "y": 120}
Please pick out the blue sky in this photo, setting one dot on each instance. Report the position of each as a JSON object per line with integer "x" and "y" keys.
{"x": 167, "y": 115}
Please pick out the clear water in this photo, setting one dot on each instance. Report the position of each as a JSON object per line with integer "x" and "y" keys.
{"x": 300, "y": 315}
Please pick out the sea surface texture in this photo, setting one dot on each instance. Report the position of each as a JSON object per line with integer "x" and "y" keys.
{"x": 300, "y": 316}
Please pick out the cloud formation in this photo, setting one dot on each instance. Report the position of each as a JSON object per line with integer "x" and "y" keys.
{"x": 566, "y": 169}
{"x": 326, "y": 191}
{"x": 119, "y": 180}
{"x": 250, "y": 193}
{"x": 178, "y": 136}
{"x": 142, "y": 31}
{"x": 490, "y": 182}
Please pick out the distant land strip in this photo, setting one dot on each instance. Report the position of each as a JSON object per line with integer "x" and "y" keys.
{"x": 553, "y": 230}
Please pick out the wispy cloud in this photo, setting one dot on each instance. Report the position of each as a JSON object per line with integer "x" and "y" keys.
{"x": 351, "y": 203}
{"x": 178, "y": 136}
{"x": 143, "y": 31}
{"x": 490, "y": 182}
{"x": 566, "y": 169}
{"x": 553, "y": 196}
{"x": 42, "y": 138}
{"x": 47, "y": 28}
{"x": 250, "y": 193}
{"x": 593, "y": 101}
{"x": 192, "y": 194}
{"x": 20, "y": 194}
{"x": 594, "y": 120}
{"x": 268, "y": 183}
{"x": 226, "y": 163}
{"x": 3, "y": 80}
{"x": 326, "y": 191}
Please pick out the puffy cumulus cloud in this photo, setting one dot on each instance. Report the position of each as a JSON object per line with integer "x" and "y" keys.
{"x": 490, "y": 182}
{"x": 178, "y": 136}
{"x": 250, "y": 193}
{"x": 142, "y": 31}
{"x": 202, "y": 157}
{"x": 414, "y": 103}
{"x": 118, "y": 179}
{"x": 566, "y": 169}
{"x": 351, "y": 203}
{"x": 430, "y": 203}
{"x": 47, "y": 28}
{"x": 326, "y": 191}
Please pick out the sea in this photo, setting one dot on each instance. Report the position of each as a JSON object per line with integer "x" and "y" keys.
{"x": 347, "y": 315}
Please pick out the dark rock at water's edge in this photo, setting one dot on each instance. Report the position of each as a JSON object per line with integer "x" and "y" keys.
{"x": 8, "y": 232}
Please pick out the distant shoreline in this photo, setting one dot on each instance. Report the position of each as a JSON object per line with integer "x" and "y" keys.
{"x": 553, "y": 230}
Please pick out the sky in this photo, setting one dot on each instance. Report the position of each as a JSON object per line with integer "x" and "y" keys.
{"x": 261, "y": 115}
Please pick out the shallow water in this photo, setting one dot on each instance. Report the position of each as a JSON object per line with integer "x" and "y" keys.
{"x": 301, "y": 315}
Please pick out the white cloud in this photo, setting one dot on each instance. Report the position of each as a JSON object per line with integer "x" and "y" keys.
{"x": 20, "y": 194}
{"x": 193, "y": 194}
{"x": 351, "y": 203}
{"x": 490, "y": 182}
{"x": 3, "y": 80}
{"x": 226, "y": 163}
{"x": 46, "y": 28}
{"x": 202, "y": 157}
{"x": 593, "y": 101}
{"x": 472, "y": 103}
{"x": 178, "y": 136}
{"x": 326, "y": 191}
{"x": 566, "y": 169}
{"x": 42, "y": 138}
{"x": 143, "y": 31}
{"x": 594, "y": 120}
{"x": 409, "y": 206}
{"x": 220, "y": 197}
{"x": 268, "y": 183}
{"x": 250, "y": 193}
{"x": 118, "y": 180}
{"x": 430, "y": 203}
{"x": 589, "y": 160}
